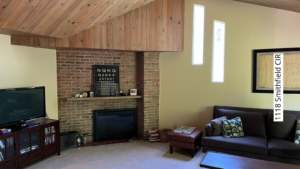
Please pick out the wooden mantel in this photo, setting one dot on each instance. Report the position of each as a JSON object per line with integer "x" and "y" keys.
{"x": 157, "y": 26}
{"x": 99, "y": 98}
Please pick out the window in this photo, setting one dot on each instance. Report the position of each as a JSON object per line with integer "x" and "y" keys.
{"x": 198, "y": 35}
{"x": 218, "y": 52}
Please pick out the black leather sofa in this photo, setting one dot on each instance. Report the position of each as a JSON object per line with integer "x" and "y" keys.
{"x": 264, "y": 139}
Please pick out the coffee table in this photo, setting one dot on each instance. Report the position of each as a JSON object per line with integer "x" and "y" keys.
{"x": 216, "y": 160}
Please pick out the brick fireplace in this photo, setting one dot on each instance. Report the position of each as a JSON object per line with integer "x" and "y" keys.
{"x": 138, "y": 70}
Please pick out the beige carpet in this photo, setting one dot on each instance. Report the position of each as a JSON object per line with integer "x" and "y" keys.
{"x": 136, "y": 155}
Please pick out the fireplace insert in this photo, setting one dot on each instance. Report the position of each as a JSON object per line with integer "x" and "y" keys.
{"x": 115, "y": 124}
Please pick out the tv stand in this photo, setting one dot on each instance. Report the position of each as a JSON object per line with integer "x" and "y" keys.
{"x": 39, "y": 139}
{"x": 21, "y": 125}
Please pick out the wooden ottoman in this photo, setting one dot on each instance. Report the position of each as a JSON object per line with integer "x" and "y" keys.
{"x": 188, "y": 141}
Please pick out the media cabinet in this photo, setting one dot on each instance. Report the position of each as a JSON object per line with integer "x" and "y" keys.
{"x": 29, "y": 145}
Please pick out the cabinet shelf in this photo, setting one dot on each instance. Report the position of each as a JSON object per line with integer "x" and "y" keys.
{"x": 19, "y": 155}
{"x": 100, "y": 98}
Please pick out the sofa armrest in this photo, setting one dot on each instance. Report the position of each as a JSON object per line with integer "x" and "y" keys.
{"x": 208, "y": 130}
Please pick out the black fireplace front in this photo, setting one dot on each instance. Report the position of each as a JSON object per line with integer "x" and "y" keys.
{"x": 115, "y": 124}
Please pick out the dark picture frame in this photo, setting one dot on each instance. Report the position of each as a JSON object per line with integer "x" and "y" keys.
{"x": 102, "y": 85}
{"x": 255, "y": 69}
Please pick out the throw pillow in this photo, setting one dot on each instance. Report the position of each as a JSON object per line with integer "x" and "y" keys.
{"x": 233, "y": 128}
{"x": 297, "y": 134}
{"x": 217, "y": 125}
{"x": 208, "y": 129}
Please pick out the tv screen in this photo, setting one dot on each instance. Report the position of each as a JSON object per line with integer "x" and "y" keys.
{"x": 21, "y": 104}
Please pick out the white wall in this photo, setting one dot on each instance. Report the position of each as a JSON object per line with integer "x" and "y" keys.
{"x": 187, "y": 94}
{"x": 27, "y": 66}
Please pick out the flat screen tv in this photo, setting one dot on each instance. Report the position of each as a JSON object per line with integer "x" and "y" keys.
{"x": 21, "y": 104}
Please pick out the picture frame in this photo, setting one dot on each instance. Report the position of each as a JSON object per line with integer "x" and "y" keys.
{"x": 133, "y": 92}
{"x": 106, "y": 80}
{"x": 262, "y": 70}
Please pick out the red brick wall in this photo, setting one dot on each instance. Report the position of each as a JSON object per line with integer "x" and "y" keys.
{"x": 75, "y": 75}
{"x": 149, "y": 74}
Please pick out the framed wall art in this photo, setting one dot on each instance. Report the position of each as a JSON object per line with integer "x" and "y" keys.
{"x": 133, "y": 92}
{"x": 106, "y": 80}
{"x": 263, "y": 70}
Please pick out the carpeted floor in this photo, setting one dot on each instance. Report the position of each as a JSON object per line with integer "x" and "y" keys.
{"x": 133, "y": 155}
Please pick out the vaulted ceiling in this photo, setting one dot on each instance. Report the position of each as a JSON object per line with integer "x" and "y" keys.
{"x": 289, "y": 5}
{"x": 59, "y": 18}
{"x": 64, "y": 19}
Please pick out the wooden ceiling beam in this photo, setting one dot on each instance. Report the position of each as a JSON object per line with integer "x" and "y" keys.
{"x": 16, "y": 33}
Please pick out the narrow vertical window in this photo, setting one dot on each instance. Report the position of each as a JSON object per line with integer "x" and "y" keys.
{"x": 218, "y": 52}
{"x": 198, "y": 35}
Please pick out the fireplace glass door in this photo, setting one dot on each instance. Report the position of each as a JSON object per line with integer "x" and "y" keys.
{"x": 115, "y": 124}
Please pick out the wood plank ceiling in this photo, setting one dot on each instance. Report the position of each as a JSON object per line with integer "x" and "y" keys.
{"x": 289, "y": 5}
{"x": 65, "y": 18}
{"x": 59, "y": 18}
{"x": 157, "y": 26}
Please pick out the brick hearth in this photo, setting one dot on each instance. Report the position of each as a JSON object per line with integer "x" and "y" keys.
{"x": 137, "y": 71}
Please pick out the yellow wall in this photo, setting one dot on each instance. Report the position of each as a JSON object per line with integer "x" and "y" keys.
{"x": 27, "y": 66}
{"x": 187, "y": 94}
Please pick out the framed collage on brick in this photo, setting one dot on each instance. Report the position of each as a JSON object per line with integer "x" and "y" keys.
{"x": 106, "y": 80}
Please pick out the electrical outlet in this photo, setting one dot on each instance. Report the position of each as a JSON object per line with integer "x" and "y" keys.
{"x": 175, "y": 126}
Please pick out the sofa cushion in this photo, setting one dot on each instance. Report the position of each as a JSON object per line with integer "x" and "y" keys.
{"x": 233, "y": 128}
{"x": 282, "y": 130}
{"x": 250, "y": 144}
{"x": 283, "y": 148}
{"x": 251, "y": 129}
{"x": 217, "y": 125}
